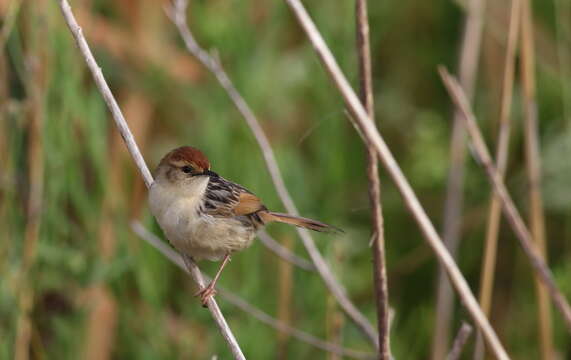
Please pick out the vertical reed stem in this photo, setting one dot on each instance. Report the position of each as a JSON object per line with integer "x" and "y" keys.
{"x": 468, "y": 69}
{"x": 378, "y": 237}
{"x": 533, "y": 165}
{"x": 502, "y": 149}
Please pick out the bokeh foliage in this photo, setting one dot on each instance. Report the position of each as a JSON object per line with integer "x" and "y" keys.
{"x": 91, "y": 191}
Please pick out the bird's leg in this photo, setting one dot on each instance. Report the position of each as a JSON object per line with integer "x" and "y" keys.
{"x": 209, "y": 290}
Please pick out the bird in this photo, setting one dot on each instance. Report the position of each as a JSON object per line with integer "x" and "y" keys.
{"x": 205, "y": 216}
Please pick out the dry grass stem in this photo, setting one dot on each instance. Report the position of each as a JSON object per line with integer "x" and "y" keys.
{"x": 101, "y": 324}
{"x": 493, "y": 226}
{"x": 459, "y": 342}
{"x": 178, "y": 15}
{"x": 510, "y": 211}
{"x": 243, "y": 305}
{"x": 368, "y": 130}
{"x": 468, "y": 69}
{"x": 106, "y": 93}
{"x": 533, "y": 165}
{"x": 377, "y": 221}
{"x": 138, "y": 158}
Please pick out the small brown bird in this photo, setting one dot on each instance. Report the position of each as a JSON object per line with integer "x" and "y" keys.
{"x": 205, "y": 216}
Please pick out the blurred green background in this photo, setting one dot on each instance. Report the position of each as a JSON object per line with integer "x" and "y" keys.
{"x": 69, "y": 190}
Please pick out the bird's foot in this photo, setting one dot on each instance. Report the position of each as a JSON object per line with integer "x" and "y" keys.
{"x": 205, "y": 294}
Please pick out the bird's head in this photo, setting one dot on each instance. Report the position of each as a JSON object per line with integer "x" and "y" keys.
{"x": 183, "y": 165}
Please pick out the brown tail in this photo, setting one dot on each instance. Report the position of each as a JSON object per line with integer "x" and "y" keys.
{"x": 299, "y": 221}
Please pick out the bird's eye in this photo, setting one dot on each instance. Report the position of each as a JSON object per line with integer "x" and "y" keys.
{"x": 187, "y": 169}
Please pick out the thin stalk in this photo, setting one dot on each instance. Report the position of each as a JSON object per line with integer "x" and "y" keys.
{"x": 502, "y": 149}
{"x": 367, "y": 130}
{"x": 129, "y": 140}
{"x": 468, "y": 69}
{"x": 377, "y": 221}
{"x": 533, "y": 165}
{"x": 178, "y": 15}
{"x": 459, "y": 342}
{"x": 101, "y": 324}
{"x": 510, "y": 211}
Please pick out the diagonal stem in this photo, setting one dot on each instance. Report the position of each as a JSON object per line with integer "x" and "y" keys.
{"x": 125, "y": 132}
{"x": 508, "y": 206}
{"x": 460, "y": 342}
{"x": 369, "y": 133}
{"x": 178, "y": 15}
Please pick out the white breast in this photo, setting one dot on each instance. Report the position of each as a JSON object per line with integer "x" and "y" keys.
{"x": 196, "y": 234}
{"x": 175, "y": 207}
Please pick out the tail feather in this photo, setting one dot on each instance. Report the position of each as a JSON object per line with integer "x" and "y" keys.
{"x": 300, "y": 222}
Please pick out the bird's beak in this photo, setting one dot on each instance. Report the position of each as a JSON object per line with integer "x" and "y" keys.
{"x": 210, "y": 173}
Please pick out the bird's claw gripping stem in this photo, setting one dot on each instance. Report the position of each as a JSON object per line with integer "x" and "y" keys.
{"x": 206, "y": 293}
